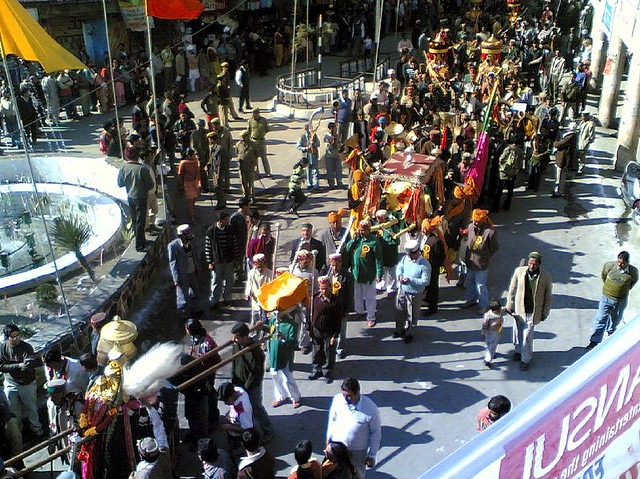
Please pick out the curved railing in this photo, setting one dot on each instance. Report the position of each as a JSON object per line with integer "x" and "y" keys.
{"x": 309, "y": 89}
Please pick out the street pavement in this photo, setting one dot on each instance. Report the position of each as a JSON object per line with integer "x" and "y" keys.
{"x": 428, "y": 391}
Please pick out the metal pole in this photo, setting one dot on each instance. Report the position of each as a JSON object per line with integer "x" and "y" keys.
{"x": 397, "y": 16}
{"x": 23, "y": 136}
{"x": 293, "y": 54}
{"x": 113, "y": 83}
{"x": 378, "y": 28}
{"x": 320, "y": 49}
{"x": 159, "y": 148}
{"x": 307, "y": 27}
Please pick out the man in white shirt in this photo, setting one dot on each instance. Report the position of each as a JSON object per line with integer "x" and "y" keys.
{"x": 354, "y": 420}
{"x": 58, "y": 366}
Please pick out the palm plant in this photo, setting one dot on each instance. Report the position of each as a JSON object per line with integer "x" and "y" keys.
{"x": 71, "y": 234}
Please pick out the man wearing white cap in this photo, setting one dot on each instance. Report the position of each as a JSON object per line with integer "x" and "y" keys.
{"x": 154, "y": 452}
{"x": 414, "y": 273}
{"x": 64, "y": 407}
{"x": 257, "y": 276}
{"x": 183, "y": 266}
{"x": 394, "y": 84}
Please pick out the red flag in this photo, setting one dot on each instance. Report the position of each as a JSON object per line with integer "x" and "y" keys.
{"x": 175, "y": 9}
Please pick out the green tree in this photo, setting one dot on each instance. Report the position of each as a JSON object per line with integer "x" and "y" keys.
{"x": 71, "y": 234}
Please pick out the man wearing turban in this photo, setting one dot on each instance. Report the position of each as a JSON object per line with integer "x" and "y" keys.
{"x": 482, "y": 243}
{"x": 434, "y": 251}
{"x": 334, "y": 234}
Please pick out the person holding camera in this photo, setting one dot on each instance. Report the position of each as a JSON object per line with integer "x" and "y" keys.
{"x": 17, "y": 363}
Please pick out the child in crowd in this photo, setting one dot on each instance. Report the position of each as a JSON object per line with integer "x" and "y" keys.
{"x": 307, "y": 467}
{"x": 492, "y": 323}
{"x": 498, "y": 406}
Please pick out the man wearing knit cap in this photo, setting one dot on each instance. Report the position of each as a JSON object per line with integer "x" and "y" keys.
{"x": 306, "y": 241}
{"x": 618, "y": 278}
{"x": 529, "y": 302}
{"x": 414, "y": 273}
{"x": 482, "y": 244}
{"x": 366, "y": 267}
{"x": 333, "y": 236}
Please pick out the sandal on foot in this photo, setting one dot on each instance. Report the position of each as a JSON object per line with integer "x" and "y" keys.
{"x": 278, "y": 403}
{"x": 371, "y": 323}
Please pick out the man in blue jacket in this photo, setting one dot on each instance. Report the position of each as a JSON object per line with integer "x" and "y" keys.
{"x": 413, "y": 273}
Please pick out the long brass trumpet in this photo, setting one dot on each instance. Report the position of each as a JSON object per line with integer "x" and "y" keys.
{"x": 384, "y": 226}
{"x": 411, "y": 227}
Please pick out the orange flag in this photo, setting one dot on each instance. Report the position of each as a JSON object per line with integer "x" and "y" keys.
{"x": 175, "y": 9}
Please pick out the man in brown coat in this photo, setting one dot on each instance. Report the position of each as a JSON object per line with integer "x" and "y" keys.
{"x": 259, "y": 462}
{"x": 565, "y": 149}
{"x": 529, "y": 302}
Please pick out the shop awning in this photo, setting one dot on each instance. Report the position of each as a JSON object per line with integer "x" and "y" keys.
{"x": 23, "y": 36}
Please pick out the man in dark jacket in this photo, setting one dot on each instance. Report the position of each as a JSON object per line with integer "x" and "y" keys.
{"x": 259, "y": 462}
{"x": 310, "y": 244}
{"x": 326, "y": 324}
{"x": 17, "y": 363}
{"x": 248, "y": 372}
{"x": 137, "y": 179}
{"x": 28, "y": 113}
{"x": 433, "y": 250}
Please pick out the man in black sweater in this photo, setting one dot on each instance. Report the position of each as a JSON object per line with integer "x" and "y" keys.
{"x": 221, "y": 251}
{"x": 248, "y": 373}
{"x": 17, "y": 362}
{"x": 326, "y": 323}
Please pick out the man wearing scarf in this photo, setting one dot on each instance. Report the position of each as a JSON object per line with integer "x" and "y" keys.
{"x": 482, "y": 243}
{"x": 333, "y": 236}
{"x": 529, "y": 302}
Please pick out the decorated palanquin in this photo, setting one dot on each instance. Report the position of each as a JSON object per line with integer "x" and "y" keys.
{"x": 489, "y": 69}
{"x": 514, "y": 10}
{"x": 409, "y": 185}
{"x": 439, "y": 58}
{"x": 105, "y": 416}
{"x": 112, "y": 418}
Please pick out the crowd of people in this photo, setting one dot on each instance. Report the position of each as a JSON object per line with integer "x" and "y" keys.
{"x": 520, "y": 78}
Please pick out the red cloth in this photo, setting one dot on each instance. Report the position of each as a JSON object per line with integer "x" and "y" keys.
{"x": 175, "y": 9}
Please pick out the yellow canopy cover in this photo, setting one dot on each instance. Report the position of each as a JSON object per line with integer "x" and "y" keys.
{"x": 23, "y": 36}
{"x": 283, "y": 292}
